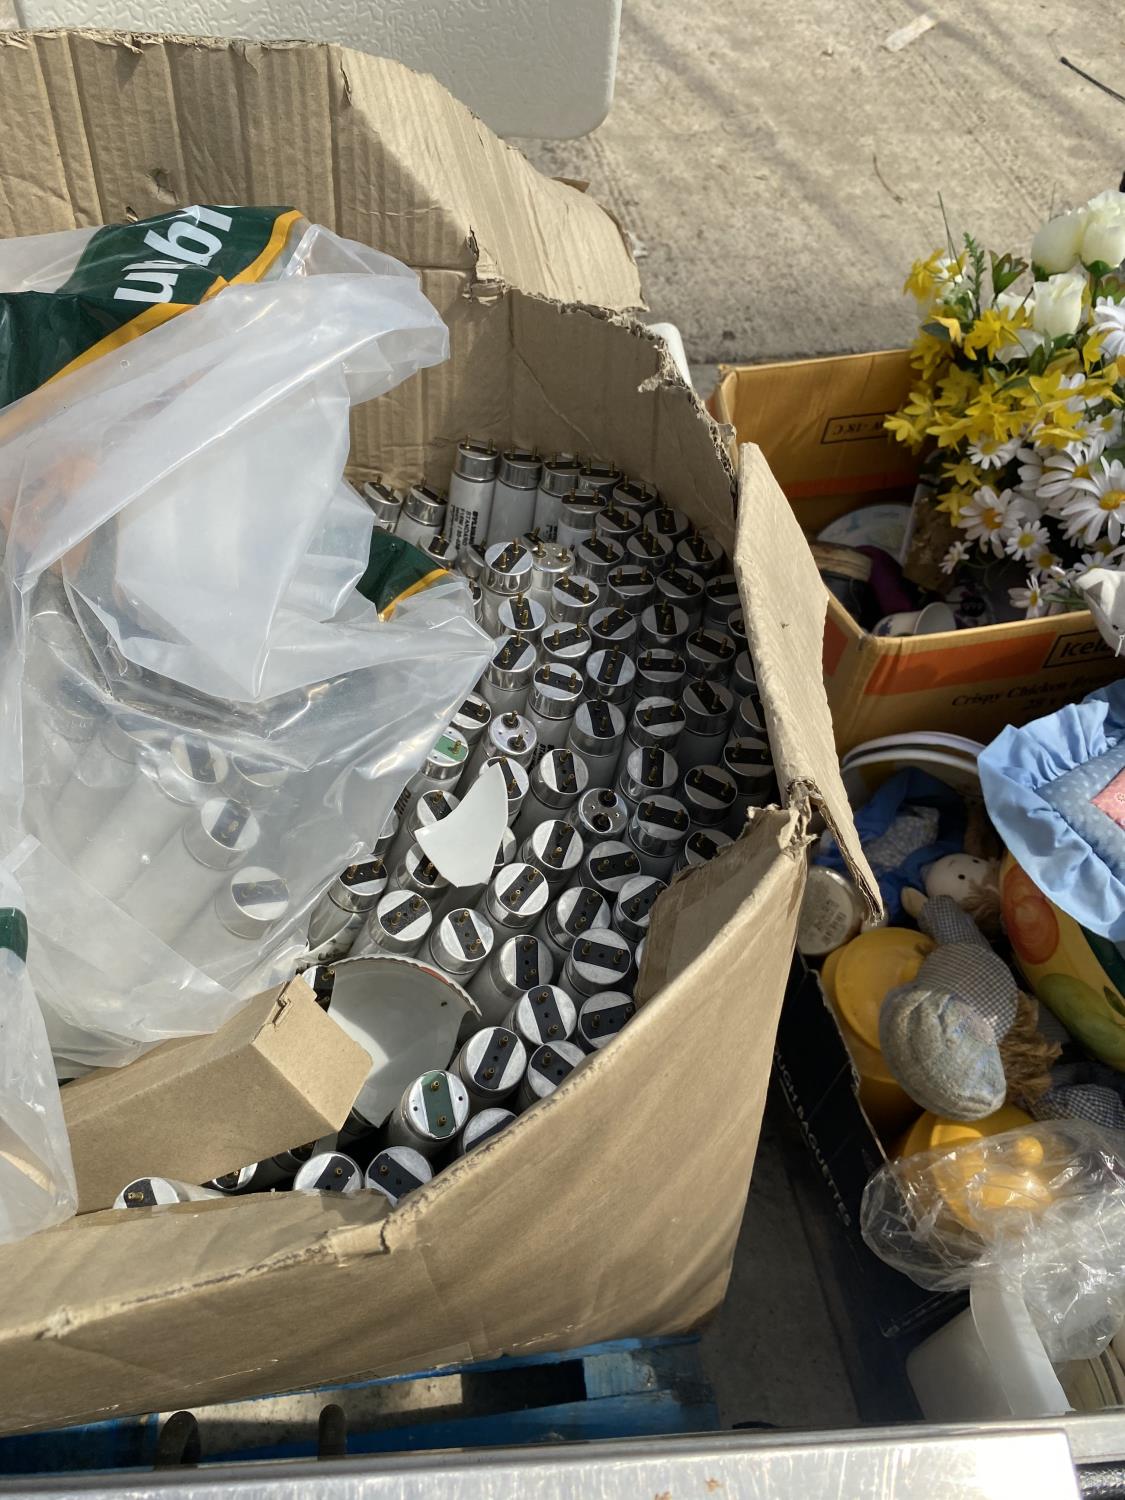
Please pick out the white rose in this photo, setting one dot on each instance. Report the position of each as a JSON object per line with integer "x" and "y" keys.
{"x": 1056, "y": 245}
{"x": 1104, "y": 240}
{"x": 1107, "y": 205}
{"x": 1057, "y": 308}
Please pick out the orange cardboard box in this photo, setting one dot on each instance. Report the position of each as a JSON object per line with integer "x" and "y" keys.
{"x": 819, "y": 423}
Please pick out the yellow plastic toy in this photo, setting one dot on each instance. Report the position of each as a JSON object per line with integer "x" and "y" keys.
{"x": 856, "y": 979}
{"x": 931, "y": 1133}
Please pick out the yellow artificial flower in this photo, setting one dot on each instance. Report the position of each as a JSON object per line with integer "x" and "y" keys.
{"x": 1102, "y": 384}
{"x": 905, "y": 430}
{"x": 1049, "y": 388}
{"x": 952, "y": 326}
{"x": 949, "y": 428}
{"x": 1092, "y": 350}
{"x": 957, "y": 387}
{"x": 927, "y": 277}
{"x": 1065, "y": 428}
{"x": 952, "y": 502}
{"x": 964, "y": 474}
{"x": 928, "y": 354}
{"x": 991, "y": 413}
{"x": 995, "y": 329}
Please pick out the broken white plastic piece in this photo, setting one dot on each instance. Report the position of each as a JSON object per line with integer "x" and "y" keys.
{"x": 463, "y": 845}
{"x": 405, "y": 1015}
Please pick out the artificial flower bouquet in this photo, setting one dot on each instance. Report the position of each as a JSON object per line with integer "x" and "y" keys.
{"x": 1018, "y": 405}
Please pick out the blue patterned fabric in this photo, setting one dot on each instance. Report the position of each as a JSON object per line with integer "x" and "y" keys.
{"x": 911, "y": 821}
{"x": 1039, "y": 782}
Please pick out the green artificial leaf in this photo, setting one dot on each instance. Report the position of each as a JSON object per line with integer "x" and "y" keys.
{"x": 938, "y": 331}
{"x": 1098, "y": 268}
{"x": 975, "y": 270}
{"x": 948, "y": 231}
{"x": 1006, "y": 268}
{"x": 1038, "y": 272}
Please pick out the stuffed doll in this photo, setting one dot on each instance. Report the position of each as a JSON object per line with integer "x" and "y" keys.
{"x": 972, "y": 882}
{"x": 962, "y": 1039}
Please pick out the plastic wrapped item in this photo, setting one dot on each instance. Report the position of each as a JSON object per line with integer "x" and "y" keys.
{"x": 37, "y": 1185}
{"x": 216, "y": 679}
{"x": 1039, "y": 1212}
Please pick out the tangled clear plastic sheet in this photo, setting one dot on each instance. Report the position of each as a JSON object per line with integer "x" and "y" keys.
{"x": 202, "y": 720}
{"x": 36, "y": 1173}
{"x": 1039, "y": 1211}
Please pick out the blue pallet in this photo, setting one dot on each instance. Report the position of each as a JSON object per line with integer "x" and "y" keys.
{"x": 627, "y": 1388}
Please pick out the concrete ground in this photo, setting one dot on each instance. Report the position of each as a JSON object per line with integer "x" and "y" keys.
{"x": 779, "y": 168}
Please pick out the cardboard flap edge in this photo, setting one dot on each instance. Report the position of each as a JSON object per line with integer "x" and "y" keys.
{"x": 786, "y": 604}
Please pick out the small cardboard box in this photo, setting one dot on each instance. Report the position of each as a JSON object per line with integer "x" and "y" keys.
{"x": 630, "y": 1181}
{"x": 821, "y": 1085}
{"x": 276, "y": 1075}
{"x": 819, "y": 423}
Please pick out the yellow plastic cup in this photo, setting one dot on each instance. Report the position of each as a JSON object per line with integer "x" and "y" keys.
{"x": 932, "y": 1132}
{"x": 856, "y": 978}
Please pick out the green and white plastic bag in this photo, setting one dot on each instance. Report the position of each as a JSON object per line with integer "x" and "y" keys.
{"x": 190, "y": 580}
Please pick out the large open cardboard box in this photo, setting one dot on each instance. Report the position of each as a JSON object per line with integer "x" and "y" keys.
{"x": 613, "y": 1208}
{"x": 820, "y": 426}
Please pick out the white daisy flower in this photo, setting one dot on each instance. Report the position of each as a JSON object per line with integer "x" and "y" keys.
{"x": 1098, "y": 502}
{"x": 1023, "y": 508}
{"x": 1045, "y": 561}
{"x": 1030, "y": 462}
{"x": 1025, "y": 538}
{"x": 982, "y": 518}
{"x": 1109, "y": 321}
{"x": 1102, "y": 426}
{"x": 1103, "y": 554}
{"x": 954, "y": 557}
{"x": 1035, "y": 599}
{"x": 1065, "y": 470}
{"x": 990, "y": 453}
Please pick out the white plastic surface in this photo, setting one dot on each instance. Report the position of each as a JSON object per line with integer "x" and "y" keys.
{"x": 526, "y": 67}
{"x": 37, "y": 1185}
{"x": 986, "y": 1364}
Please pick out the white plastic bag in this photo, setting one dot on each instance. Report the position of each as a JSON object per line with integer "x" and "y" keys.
{"x": 37, "y": 1186}
{"x": 1038, "y": 1212}
{"x": 202, "y": 720}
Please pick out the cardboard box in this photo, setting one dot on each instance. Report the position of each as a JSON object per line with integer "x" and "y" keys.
{"x": 820, "y": 426}
{"x": 820, "y": 1082}
{"x": 278, "y": 1074}
{"x": 630, "y": 1181}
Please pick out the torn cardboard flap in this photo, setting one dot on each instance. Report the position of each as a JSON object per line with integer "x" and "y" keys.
{"x": 144, "y": 1311}
{"x": 786, "y": 603}
{"x": 278, "y": 1074}
{"x": 360, "y": 143}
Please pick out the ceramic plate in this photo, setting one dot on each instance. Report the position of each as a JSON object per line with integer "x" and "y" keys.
{"x": 881, "y": 526}
{"x": 867, "y": 772}
{"x": 958, "y": 744}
